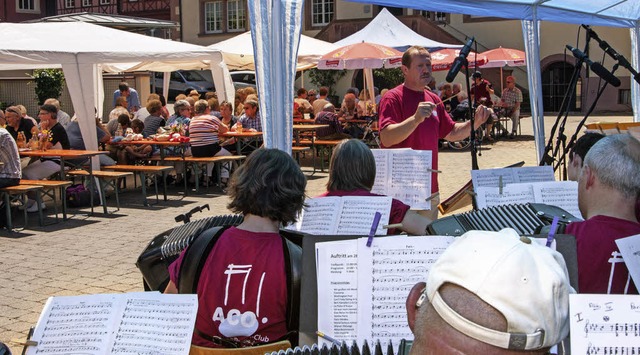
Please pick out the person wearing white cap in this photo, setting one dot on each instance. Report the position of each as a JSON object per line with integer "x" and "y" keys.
{"x": 491, "y": 293}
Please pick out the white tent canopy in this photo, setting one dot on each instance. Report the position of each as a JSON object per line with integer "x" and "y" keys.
{"x": 387, "y": 30}
{"x": 238, "y": 51}
{"x": 84, "y": 50}
{"x": 614, "y": 13}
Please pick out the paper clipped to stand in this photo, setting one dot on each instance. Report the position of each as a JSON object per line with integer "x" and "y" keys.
{"x": 346, "y": 215}
{"x": 141, "y": 322}
{"x": 630, "y": 249}
{"x": 385, "y": 274}
{"x": 404, "y": 174}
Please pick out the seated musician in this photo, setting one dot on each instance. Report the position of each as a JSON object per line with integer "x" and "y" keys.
{"x": 352, "y": 172}
{"x": 465, "y": 308}
{"x": 242, "y": 290}
{"x": 608, "y": 188}
{"x": 578, "y": 152}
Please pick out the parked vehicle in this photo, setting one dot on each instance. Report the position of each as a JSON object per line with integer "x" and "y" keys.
{"x": 183, "y": 81}
{"x": 243, "y": 78}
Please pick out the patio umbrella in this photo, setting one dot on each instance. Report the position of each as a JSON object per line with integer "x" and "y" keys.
{"x": 443, "y": 59}
{"x": 500, "y": 57}
{"x": 363, "y": 55}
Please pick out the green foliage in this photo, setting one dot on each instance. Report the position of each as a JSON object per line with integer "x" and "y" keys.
{"x": 326, "y": 78}
{"x": 48, "y": 84}
{"x": 387, "y": 78}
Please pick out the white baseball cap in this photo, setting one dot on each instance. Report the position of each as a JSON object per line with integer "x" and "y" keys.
{"x": 527, "y": 282}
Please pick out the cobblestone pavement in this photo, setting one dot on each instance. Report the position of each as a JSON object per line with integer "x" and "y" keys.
{"x": 97, "y": 254}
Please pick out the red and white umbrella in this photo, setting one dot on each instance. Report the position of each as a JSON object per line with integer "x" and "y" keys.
{"x": 361, "y": 56}
{"x": 443, "y": 59}
{"x": 500, "y": 57}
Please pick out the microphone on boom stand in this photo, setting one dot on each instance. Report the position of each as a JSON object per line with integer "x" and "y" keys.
{"x": 460, "y": 60}
{"x": 612, "y": 53}
{"x": 595, "y": 67}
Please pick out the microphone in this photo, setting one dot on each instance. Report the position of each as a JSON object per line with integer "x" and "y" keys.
{"x": 459, "y": 62}
{"x": 612, "y": 53}
{"x": 595, "y": 66}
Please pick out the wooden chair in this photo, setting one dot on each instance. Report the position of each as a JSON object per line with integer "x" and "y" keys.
{"x": 254, "y": 350}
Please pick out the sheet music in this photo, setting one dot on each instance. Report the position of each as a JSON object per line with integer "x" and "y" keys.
{"x": 604, "y": 324}
{"x": 491, "y": 177}
{"x": 404, "y": 174}
{"x": 320, "y": 215}
{"x": 389, "y": 269}
{"x": 91, "y": 324}
{"x": 563, "y": 194}
{"x": 337, "y": 270}
{"x": 346, "y": 215}
{"x": 358, "y": 212}
{"x": 511, "y": 194}
{"x": 630, "y": 249}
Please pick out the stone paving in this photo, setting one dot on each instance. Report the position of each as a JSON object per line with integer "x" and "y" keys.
{"x": 97, "y": 254}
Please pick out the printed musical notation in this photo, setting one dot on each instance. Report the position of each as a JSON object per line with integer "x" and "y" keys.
{"x": 605, "y": 324}
{"x": 491, "y": 177}
{"x": 347, "y": 215}
{"x": 135, "y": 323}
{"x": 630, "y": 249}
{"x": 404, "y": 174}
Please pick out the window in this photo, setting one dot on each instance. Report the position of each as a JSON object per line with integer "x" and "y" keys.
{"x": 213, "y": 17}
{"x": 27, "y": 5}
{"x": 321, "y": 12}
{"x": 624, "y": 97}
{"x": 236, "y": 16}
{"x": 105, "y": 2}
{"x": 70, "y": 4}
{"x": 86, "y": 3}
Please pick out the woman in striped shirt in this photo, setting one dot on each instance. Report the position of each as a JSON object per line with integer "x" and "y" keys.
{"x": 203, "y": 133}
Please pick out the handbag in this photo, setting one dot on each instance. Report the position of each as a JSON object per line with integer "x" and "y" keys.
{"x": 78, "y": 195}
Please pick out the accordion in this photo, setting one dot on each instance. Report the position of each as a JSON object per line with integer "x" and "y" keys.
{"x": 166, "y": 247}
{"x": 526, "y": 219}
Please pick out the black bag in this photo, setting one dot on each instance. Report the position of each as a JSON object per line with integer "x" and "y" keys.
{"x": 79, "y": 196}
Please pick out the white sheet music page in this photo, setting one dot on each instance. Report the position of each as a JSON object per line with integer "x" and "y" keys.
{"x": 410, "y": 178}
{"x": 534, "y": 173}
{"x": 563, "y": 194}
{"x": 156, "y": 323}
{"x": 337, "y": 271}
{"x": 511, "y": 194}
{"x": 388, "y": 270}
{"x": 491, "y": 177}
{"x": 320, "y": 216}
{"x": 381, "y": 183}
{"x": 94, "y": 324}
{"x": 605, "y": 324}
{"x": 358, "y": 212}
{"x": 629, "y": 247}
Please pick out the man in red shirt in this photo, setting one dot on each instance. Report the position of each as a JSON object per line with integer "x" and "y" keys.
{"x": 608, "y": 188}
{"x": 481, "y": 92}
{"x": 411, "y": 116}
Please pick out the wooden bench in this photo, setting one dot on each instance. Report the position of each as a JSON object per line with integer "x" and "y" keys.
{"x": 197, "y": 162}
{"x": 105, "y": 179}
{"x": 19, "y": 193}
{"x": 49, "y": 188}
{"x": 322, "y": 146}
{"x": 143, "y": 171}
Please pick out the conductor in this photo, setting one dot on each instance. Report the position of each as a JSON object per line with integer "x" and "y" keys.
{"x": 411, "y": 116}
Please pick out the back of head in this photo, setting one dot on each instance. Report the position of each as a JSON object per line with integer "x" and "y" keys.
{"x": 200, "y": 107}
{"x": 324, "y": 91}
{"x": 180, "y": 97}
{"x": 121, "y": 101}
{"x": 301, "y": 91}
{"x": 352, "y": 167}
{"x": 124, "y": 119}
{"x": 615, "y": 160}
{"x": 153, "y": 97}
{"x": 329, "y": 108}
{"x": 137, "y": 125}
{"x": 154, "y": 107}
{"x": 53, "y": 102}
{"x": 214, "y": 104}
{"x": 584, "y": 144}
{"x": 269, "y": 184}
{"x": 496, "y": 290}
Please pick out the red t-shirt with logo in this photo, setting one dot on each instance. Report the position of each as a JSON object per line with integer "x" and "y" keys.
{"x": 242, "y": 291}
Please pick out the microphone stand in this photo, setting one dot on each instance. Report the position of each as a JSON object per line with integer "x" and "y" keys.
{"x": 472, "y": 135}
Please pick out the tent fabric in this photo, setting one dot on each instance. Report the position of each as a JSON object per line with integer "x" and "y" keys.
{"x": 276, "y": 27}
{"x": 387, "y": 30}
{"x": 238, "y": 51}
{"x": 83, "y": 50}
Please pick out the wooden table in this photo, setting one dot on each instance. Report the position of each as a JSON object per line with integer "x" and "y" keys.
{"x": 243, "y": 139}
{"x": 68, "y": 154}
{"x": 303, "y": 121}
{"x": 161, "y": 144}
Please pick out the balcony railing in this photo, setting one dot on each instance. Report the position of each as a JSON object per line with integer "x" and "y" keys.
{"x": 119, "y": 7}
